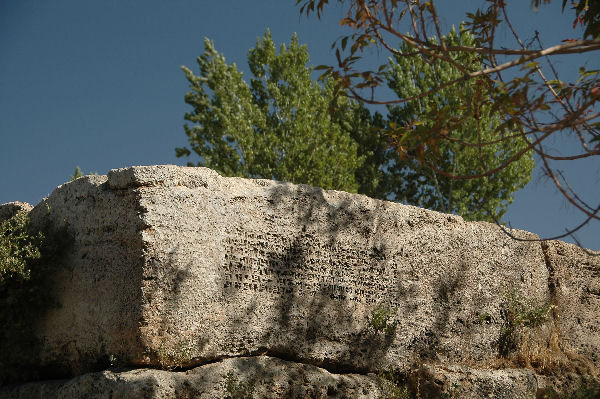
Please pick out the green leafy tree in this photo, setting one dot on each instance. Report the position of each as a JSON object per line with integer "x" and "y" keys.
{"x": 17, "y": 248}
{"x": 373, "y": 144}
{"x": 285, "y": 126}
{"x": 277, "y": 127}
{"x": 414, "y": 181}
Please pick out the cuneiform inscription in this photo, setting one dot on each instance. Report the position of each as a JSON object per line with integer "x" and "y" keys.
{"x": 306, "y": 266}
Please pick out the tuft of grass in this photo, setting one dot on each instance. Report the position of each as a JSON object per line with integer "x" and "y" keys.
{"x": 78, "y": 173}
{"x": 519, "y": 312}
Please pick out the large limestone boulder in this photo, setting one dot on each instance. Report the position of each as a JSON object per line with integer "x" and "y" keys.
{"x": 575, "y": 286}
{"x": 179, "y": 267}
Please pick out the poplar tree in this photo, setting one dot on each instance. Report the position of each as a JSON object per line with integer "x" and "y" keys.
{"x": 278, "y": 126}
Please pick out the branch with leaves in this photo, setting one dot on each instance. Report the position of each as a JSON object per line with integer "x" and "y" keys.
{"x": 519, "y": 84}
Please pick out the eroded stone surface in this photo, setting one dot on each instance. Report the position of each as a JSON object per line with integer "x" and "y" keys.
{"x": 265, "y": 377}
{"x": 461, "y": 382}
{"x": 299, "y": 270}
{"x": 257, "y": 377}
{"x": 179, "y": 266}
{"x": 466, "y": 383}
{"x": 576, "y": 284}
{"x": 98, "y": 287}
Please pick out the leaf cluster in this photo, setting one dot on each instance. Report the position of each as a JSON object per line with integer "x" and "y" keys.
{"x": 436, "y": 132}
{"x": 28, "y": 257}
{"x": 380, "y": 318}
{"x": 18, "y": 248}
{"x": 587, "y": 14}
{"x": 277, "y": 127}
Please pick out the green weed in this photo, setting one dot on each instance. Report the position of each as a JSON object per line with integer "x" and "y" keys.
{"x": 519, "y": 312}
{"x": 380, "y": 318}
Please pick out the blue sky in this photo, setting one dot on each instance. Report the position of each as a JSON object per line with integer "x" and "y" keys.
{"x": 98, "y": 84}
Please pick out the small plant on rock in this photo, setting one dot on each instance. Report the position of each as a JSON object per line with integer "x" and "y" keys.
{"x": 79, "y": 173}
{"x": 519, "y": 312}
{"x": 380, "y": 318}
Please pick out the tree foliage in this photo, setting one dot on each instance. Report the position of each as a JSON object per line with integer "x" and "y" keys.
{"x": 417, "y": 183}
{"x": 29, "y": 256}
{"x": 587, "y": 13}
{"x": 520, "y": 84}
{"x": 286, "y": 126}
{"x": 277, "y": 127}
{"x": 17, "y": 248}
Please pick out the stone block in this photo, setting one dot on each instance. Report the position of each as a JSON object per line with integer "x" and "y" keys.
{"x": 176, "y": 266}
{"x": 454, "y": 381}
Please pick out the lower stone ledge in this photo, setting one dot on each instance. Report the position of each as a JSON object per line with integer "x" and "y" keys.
{"x": 271, "y": 377}
{"x": 457, "y": 381}
{"x": 235, "y": 378}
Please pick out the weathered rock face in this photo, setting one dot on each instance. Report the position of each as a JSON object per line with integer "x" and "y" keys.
{"x": 264, "y": 377}
{"x": 255, "y": 377}
{"x": 575, "y": 286}
{"x": 179, "y": 265}
{"x": 174, "y": 266}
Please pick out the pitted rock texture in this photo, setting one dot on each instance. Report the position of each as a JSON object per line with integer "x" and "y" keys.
{"x": 180, "y": 266}
{"x": 98, "y": 286}
{"x": 174, "y": 266}
{"x": 264, "y": 377}
{"x": 575, "y": 284}
{"x": 461, "y": 382}
{"x": 240, "y": 378}
{"x": 466, "y": 383}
